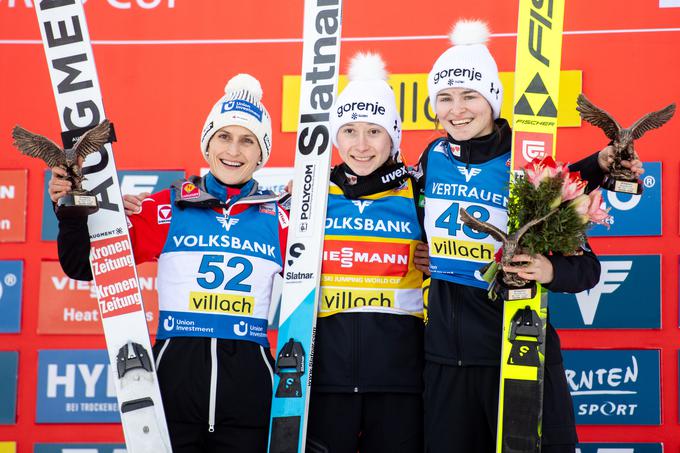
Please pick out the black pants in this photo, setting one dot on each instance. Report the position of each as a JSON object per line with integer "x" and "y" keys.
{"x": 242, "y": 400}
{"x": 461, "y": 408}
{"x": 365, "y": 422}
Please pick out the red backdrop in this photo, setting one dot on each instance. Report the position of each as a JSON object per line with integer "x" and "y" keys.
{"x": 158, "y": 94}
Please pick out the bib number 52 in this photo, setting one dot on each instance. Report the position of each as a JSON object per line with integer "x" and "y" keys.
{"x": 211, "y": 265}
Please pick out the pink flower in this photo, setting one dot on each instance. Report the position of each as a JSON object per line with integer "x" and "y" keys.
{"x": 572, "y": 186}
{"x": 581, "y": 204}
{"x": 538, "y": 170}
{"x": 595, "y": 212}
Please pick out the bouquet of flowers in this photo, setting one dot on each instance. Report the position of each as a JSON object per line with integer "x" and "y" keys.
{"x": 549, "y": 212}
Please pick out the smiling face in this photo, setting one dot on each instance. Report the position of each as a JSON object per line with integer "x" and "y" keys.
{"x": 364, "y": 147}
{"x": 233, "y": 154}
{"x": 465, "y": 114}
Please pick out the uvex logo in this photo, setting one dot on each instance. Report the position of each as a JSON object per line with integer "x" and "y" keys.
{"x": 396, "y": 174}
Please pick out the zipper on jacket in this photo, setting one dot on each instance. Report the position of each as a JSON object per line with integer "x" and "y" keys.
{"x": 457, "y": 309}
{"x": 162, "y": 351}
{"x": 355, "y": 353}
{"x": 213, "y": 384}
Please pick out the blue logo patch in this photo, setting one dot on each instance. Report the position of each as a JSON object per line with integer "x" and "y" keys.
{"x": 131, "y": 182}
{"x": 627, "y": 210}
{"x": 79, "y": 448}
{"x": 75, "y": 386}
{"x": 8, "y": 387}
{"x": 614, "y": 303}
{"x": 614, "y": 387}
{"x": 618, "y": 448}
{"x": 239, "y": 105}
{"x": 11, "y": 279}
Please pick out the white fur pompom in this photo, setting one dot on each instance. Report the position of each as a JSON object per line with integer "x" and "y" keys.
{"x": 468, "y": 32}
{"x": 245, "y": 82}
{"x": 367, "y": 66}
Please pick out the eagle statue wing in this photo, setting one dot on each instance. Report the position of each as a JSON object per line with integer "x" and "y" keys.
{"x": 35, "y": 145}
{"x": 93, "y": 139}
{"x": 597, "y": 117}
{"x": 652, "y": 121}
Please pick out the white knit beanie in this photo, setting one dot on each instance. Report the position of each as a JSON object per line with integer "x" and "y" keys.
{"x": 468, "y": 64}
{"x": 240, "y": 106}
{"x": 367, "y": 98}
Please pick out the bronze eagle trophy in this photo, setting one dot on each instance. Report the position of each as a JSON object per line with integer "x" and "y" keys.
{"x": 620, "y": 178}
{"x": 508, "y": 285}
{"x": 78, "y": 202}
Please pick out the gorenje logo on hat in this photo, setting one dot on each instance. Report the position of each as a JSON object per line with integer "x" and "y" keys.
{"x": 240, "y": 105}
{"x": 470, "y": 74}
{"x": 369, "y": 107}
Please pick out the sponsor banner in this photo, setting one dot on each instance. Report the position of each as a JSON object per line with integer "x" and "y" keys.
{"x": 13, "y": 185}
{"x": 113, "y": 268}
{"x": 628, "y": 296}
{"x": 614, "y": 387}
{"x": 131, "y": 183}
{"x": 618, "y": 448}
{"x": 9, "y": 361}
{"x": 363, "y": 257}
{"x": 75, "y": 386}
{"x": 268, "y": 178}
{"x": 8, "y": 447}
{"x": 626, "y": 210}
{"x": 79, "y": 448}
{"x": 11, "y": 283}
{"x": 273, "y": 178}
{"x": 410, "y": 91}
{"x": 70, "y": 306}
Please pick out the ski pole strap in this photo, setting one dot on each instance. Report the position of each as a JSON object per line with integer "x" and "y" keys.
{"x": 70, "y": 137}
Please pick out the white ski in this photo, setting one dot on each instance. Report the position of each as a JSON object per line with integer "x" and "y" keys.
{"x": 297, "y": 322}
{"x": 76, "y": 90}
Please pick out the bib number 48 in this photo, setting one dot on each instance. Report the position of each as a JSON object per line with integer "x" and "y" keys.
{"x": 448, "y": 220}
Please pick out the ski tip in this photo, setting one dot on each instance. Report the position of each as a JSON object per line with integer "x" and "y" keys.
{"x": 467, "y": 32}
{"x": 241, "y": 82}
{"x": 367, "y": 66}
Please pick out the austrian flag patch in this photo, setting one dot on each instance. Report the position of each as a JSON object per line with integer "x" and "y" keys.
{"x": 164, "y": 214}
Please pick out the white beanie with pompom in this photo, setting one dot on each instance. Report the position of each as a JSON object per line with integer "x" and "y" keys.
{"x": 367, "y": 98}
{"x": 468, "y": 64}
{"x": 240, "y": 106}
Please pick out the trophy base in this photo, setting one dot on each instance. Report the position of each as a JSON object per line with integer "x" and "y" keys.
{"x": 76, "y": 205}
{"x": 506, "y": 292}
{"x": 622, "y": 185}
